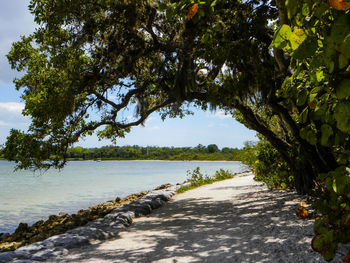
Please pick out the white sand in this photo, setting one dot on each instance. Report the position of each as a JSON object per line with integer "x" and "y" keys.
{"x": 236, "y": 220}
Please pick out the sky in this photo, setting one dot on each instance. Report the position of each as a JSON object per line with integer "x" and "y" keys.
{"x": 201, "y": 128}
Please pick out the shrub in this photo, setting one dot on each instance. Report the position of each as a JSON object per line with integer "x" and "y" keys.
{"x": 268, "y": 165}
{"x": 196, "y": 178}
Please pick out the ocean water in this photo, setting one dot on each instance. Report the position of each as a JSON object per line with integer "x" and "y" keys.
{"x": 28, "y": 197}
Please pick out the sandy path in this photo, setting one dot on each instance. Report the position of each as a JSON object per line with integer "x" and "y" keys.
{"x": 236, "y": 220}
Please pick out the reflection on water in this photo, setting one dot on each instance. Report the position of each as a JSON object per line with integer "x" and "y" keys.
{"x": 29, "y": 197}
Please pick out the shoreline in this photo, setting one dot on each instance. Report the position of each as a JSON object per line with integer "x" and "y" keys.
{"x": 63, "y": 222}
{"x": 149, "y": 160}
{"x": 81, "y": 185}
{"x": 97, "y": 230}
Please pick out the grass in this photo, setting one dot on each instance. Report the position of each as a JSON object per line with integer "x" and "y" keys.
{"x": 196, "y": 179}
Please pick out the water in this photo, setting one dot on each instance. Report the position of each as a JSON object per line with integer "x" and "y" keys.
{"x": 28, "y": 197}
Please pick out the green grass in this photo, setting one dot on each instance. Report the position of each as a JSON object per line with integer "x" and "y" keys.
{"x": 198, "y": 179}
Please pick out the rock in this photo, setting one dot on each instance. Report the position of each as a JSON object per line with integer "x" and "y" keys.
{"x": 112, "y": 218}
{"x": 163, "y": 186}
{"x": 4, "y": 236}
{"x": 53, "y": 218}
{"x": 6, "y": 257}
{"x": 25, "y": 261}
{"x": 61, "y": 214}
{"x": 22, "y": 227}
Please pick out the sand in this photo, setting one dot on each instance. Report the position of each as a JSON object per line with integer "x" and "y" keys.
{"x": 236, "y": 220}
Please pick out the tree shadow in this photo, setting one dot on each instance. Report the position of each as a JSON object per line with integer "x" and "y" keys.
{"x": 253, "y": 227}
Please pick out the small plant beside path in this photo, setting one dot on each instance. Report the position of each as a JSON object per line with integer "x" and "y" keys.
{"x": 196, "y": 178}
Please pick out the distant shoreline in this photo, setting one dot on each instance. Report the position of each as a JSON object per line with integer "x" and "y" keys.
{"x": 150, "y": 160}
{"x": 143, "y": 160}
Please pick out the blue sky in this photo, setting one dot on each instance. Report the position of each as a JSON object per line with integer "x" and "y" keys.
{"x": 201, "y": 128}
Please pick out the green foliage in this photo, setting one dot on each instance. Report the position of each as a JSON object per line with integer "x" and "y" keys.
{"x": 268, "y": 166}
{"x": 212, "y": 148}
{"x": 333, "y": 204}
{"x": 248, "y": 154}
{"x": 319, "y": 50}
{"x": 196, "y": 179}
{"x": 106, "y": 57}
{"x": 154, "y": 153}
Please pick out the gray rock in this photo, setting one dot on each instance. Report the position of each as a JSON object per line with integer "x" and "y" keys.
{"x": 100, "y": 229}
{"x": 25, "y": 261}
{"x": 6, "y": 257}
{"x": 138, "y": 208}
{"x": 48, "y": 253}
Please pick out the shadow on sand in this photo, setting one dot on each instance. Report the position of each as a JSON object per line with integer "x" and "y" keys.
{"x": 256, "y": 226}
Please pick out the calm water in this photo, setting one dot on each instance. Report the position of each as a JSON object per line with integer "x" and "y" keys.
{"x": 29, "y": 197}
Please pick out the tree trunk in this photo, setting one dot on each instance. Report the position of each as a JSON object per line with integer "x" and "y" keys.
{"x": 302, "y": 169}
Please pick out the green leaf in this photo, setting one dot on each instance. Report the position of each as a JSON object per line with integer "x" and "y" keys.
{"x": 343, "y": 61}
{"x": 213, "y": 3}
{"x": 339, "y": 138}
{"x": 342, "y": 116}
{"x": 339, "y": 31}
{"x": 345, "y": 46}
{"x": 281, "y": 36}
{"x": 321, "y": 9}
{"x": 305, "y": 9}
{"x": 329, "y": 64}
{"x": 297, "y": 37}
{"x": 306, "y": 49}
{"x": 292, "y": 7}
{"x": 343, "y": 89}
{"x": 339, "y": 183}
{"x": 316, "y": 90}
{"x": 302, "y": 97}
{"x": 304, "y": 114}
{"x": 309, "y": 135}
{"x": 319, "y": 76}
{"x": 326, "y": 132}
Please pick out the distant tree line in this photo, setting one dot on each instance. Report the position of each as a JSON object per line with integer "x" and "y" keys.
{"x": 200, "y": 152}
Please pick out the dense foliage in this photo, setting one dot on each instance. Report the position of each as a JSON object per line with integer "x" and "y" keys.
{"x": 155, "y": 153}
{"x": 317, "y": 38}
{"x": 267, "y": 165}
{"x": 281, "y": 68}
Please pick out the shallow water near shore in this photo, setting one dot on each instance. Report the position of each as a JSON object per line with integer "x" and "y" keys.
{"x": 28, "y": 197}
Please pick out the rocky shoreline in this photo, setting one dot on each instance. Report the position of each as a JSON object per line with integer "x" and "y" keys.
{"x": 99, "y": 229}
{"x": 65, "y": 223}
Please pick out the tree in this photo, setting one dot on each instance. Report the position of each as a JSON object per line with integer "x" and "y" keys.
{"x": 146, "y": 54}
{"x": 288, "y": 79}
{"x": 151, "y": 55}
{"x": 212, "y": 148}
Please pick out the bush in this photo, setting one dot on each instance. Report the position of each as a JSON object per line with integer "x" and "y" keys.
{"x": 196, "y": 178}
{"x": 268, "y": 166}
{"x": 333, "y": 207}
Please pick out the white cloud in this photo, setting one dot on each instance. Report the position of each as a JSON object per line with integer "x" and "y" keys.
{"x": 220, "y": 115}
{"x": 15, "y": 21}
{"x": 11, "y": 115}
{"x": 12, "y": 107}
{"x": 11, "y": 118}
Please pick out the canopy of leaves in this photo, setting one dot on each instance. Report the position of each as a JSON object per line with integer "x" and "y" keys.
{"x": 104, "y": 57}
{"x": 279, "y": 67}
